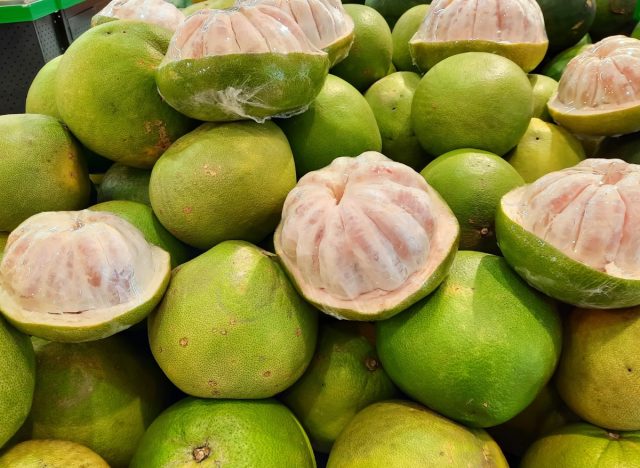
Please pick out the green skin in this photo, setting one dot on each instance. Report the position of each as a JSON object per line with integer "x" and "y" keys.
{"x": 42, "y": 169}
{"x": 392, "y": 10}
{"x": 597, "y": 123}
{"x": 580, "y": 444}
{"x": 101, "y": 394}
{"x": 122, "y": 182}
{"x": 626, "y": 147}
{"x": 142, "y": 217}
{"x": 454, "y": 353}
{"x": 51, "y": 453}
{"x": 403, "y": 31}
{"x": 232, "y": 326}
{"x": 3, "y": 242}
{"x": 405, "y": 434}
{"x": 566, "y": 22}
{"x": 278, "y": 84}
{"x": 344, "y": 377}
{"x": 41, "y": 98}
{"x": 547, "y": 269}
{"x": 543, "y": 88}
{"x": 124, "y": 120}
{"x": 613, "y": 17}
{"x": 211, "y": 433}
{"x": 17, "y": 380}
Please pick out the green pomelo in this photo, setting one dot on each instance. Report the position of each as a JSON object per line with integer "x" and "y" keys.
{"x": 455, "y": 354}
{"x": 626, "y": 147}
{"x": 142, "y": 217}
{"x": 124, "y": 120}
{"x": 613, "y": 17}
{"x": 472, "y": 100}
{"x": 344, "y": 377}
{"x": 370, "y": 55}
{"x": 392, "y": 10}
{"x": 554, "y": 68}
{"x": 543, "y": 88}
{"x": 390, "y": 99}
{"x": 567, "y": 21}
{"x": 223, "y": 181}
{"x": 101, "y": 394}
{"x": 122, "y": 182}
{"x": 41, "y": 97}
{"x": 3, "y": 243}
{"x": 210, "y": 4}
{"x": 472, "y": 182}
{"x": 402, "y": 33}
{"x": 41, "y": 169}
{"x": 582, "y": 445}
{"x": 231, "y": 325}
{"x": 544, "y": 148}
{"x": 17, "y": 380}
{"x": 599, "y": 373}
{"x": 51, "y": 454}
{"x": 212, "y": 433}
{"x": 398, "y": 434}
{"x": 338, "y": 123}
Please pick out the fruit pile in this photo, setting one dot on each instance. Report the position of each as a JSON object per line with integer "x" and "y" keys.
{"x": 297, "y": 233}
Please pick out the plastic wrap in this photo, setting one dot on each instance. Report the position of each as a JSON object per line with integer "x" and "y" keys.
{"x": 157, "y": 12}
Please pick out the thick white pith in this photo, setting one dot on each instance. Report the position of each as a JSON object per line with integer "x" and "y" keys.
{"x": 589, "y": 212}
{"x": 156, "y": 12}
{"x": 364, "y": 234}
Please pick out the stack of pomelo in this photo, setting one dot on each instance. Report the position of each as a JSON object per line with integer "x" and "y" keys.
{"x": 296, "y": 233}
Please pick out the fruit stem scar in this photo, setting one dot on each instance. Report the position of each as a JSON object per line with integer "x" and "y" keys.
{"x": 201, "y": 453}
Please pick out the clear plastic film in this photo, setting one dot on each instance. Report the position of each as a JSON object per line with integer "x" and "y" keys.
{"x": 158, "y": 12}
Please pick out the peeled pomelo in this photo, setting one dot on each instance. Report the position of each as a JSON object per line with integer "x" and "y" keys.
{"x": 599, "y": 372}
{"x": 41, "y": 98}
{"x": 213, "y": 433}
{"x": 325, "y": 23}
{"x": 102, "y": 394}
{"x": 79, "y": 275}
{"x": 339, "y": 122}
{"x": 599, "y": 92}
{"x": 365, "y": 237}
{"x": 573, "y": 234}
{"x": 122, "y": 182}
{"x": 232, "y": 326}
{"x": 223, "y": 181}
{"x": 406, "y": 434}
{"x": 158, "y": 12}
{"x": 544, "y": 148}
{"x": 51, "y": 454}
{"x": 142, "y": 217}
{"x": 472, "y": 182}
{"x": 106, "y": 93}
{"x": 345, "y": 375}
{"x": 252, "y": 61}
{"x": 404, "y": 29}
{"x": 543, "y": 88}
{"x": 41, "y": 169}
{"x": 511, "y": 28}
{"x": 17, "y": 380}
{"x": 479, "y": 349}
{"x": 582, "y": 444}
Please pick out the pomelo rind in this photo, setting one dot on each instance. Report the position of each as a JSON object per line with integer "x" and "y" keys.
{"x": 620, "y": 121}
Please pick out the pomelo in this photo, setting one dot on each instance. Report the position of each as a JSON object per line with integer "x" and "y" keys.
{"x": 599, "y": 373}
{"x": 566, "y": 22}
{"x": 544, "y": 148}
{"x": 102, "y": 394}
{"x": 582, "y": 444}
{"x": 51, "y": 454}
{"x": 17, "y": 380}
{"x": 79, "y": 275}
{"x": 571, "y": 234}
{"x": 338, "y": 123}
{"x": 142, "y": 217}
{"x": 41, "y": 169}
{"x": 344, "y": 376}
{"x": 543, "y": 88}
{"x": 41, "y": 98}
{"x": 370, "y": 55}
{"x": 472, "y": 100}
{"x": 456, "y": 354}
{"x": 213, "y": 433}
{"x": 397, "y": 434}
{"x": 598, "y": 90}
{"x": 232, "y": 326}
{"x": 625, "y": 147}
{"x": 511, "y": 28}
{"x": 472, "y": 182}
{"x": 406, "y": 26}
{"x": 205, "y": 72}
{"x": 365, "y": 237}
{"x": 159, "y": 12}
{"x": 613, "y": 17}
{"x": 223, "y": 181}
{"x": 122, "y": 182}
{"x": 124, "y": 120}
{"x": 390, "y": 100}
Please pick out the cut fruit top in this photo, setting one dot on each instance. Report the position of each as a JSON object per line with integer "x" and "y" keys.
{"x": 365, "y": 237}
{"x": 590, "y": 212}
{"x": 157, "y": 12}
